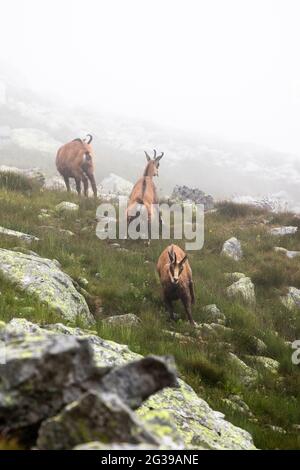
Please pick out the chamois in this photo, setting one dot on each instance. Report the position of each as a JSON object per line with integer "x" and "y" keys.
{"x": 176, "y": 279}
{"x": 144, "y": 191}
{"x": 75, "y": 160}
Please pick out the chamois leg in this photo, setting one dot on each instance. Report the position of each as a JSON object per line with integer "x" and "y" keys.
{"x": 192, "y": 291}
{"x": 169, "y": 307}
{"x": 85, "y": 185}
{"x": 67, "y": 183}
{"x": 93, "y": 183}
{"x": 186, "y": 300}
{"x": 78, "y": 186}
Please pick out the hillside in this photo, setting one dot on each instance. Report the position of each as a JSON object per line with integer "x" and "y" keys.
{"x": 33, "y": 127}
{"x": 238, "y": 359}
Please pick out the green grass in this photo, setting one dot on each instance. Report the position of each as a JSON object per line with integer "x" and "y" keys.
{"x": 128, "y": 284}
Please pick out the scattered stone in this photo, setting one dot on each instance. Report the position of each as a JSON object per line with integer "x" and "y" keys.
{"x": 280, "y": 231}
{"x": 292, "y": 299}
{"x": 129, "y": 319}
{"x": 44, "y": 279}
{"x": 277, "y": 429}
{"x": 115, "y": 245}
{"x": 121, "y": 446}
{"x": 243, "y": 288}
{"x": 288, "y": 253}
{"x": 66, "y": 207}
{"x": 213, "y": 314}
{"x": 83, "y": 282}
{"x": 233, "y": 249}
{"x": 21, "y": 236}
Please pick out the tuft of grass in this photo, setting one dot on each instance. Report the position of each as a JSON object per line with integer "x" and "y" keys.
{"x": 17, "y": 182}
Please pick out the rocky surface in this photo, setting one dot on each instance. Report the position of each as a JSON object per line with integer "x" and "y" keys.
{"x": 184, "y": 193}
{"x": 243, "y": 288}
{"x": 233, "y": 249}
{"x": 115, "y": 185}
{"x": 213, "y": 314}
{"x": 88, "y": 364}
{"x": 20, "y": 235}
{"x": 44, "y": 279}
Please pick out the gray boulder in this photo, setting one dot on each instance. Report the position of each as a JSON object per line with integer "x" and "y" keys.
{"x": 233, "y": 249}
{"x": 244, "y": 288}
{"x": 66, "y": 206}
{"x": 290, "y": 254}
{"x": 213, "y": 314}
{"x": 184, "y": 194}
{"x": 44, "y": 279}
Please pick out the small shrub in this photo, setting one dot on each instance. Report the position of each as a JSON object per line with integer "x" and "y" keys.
{"x": 14, "y": 182}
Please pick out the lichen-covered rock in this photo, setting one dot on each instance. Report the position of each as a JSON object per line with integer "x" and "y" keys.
{"x": 94, "y": 416}
{"x": 20, "y": 235}
{"x": 292, "y": 299}
{"x": 236, "y": 276}
{"x": 44, "y": 279}
{"x": 233, "y": 249}
{"x": 243, "y": 288}
{"x": 236, "y": 403}
{"x": 176, "y": 414}
{"x": 66, "y": 206}
{"x": 129, "y": 319}
{"x": 45, "y": 370}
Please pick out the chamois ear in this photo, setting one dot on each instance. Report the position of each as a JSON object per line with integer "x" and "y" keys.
{"x": 172, "y": 256}
{"x": 147, "y": 156}
{"x": 184, "y": 259}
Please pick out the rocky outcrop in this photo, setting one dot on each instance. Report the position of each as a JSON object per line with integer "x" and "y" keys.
{"x": 244, "y": 288}
{"x": 213, "y": 314}
{"x": 33, "y": 174}
{"x": 20, "y": 235}
{"x": 233, "y": 249}
{"x": 114, "y": 185}
{"x": 84, "y": 371}
{"x": 44, "y": 279}
{"x": 184, "y": 193}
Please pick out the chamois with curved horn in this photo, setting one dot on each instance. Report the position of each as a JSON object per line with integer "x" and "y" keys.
{"x": 176, "y": 279}
{"x": 75, "y": 160}
{"x": 144, "y": 191}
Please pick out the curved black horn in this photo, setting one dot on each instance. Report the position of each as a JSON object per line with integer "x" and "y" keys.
{"x": 91, "y": 138}
{"x": 147, "y": 156}
{"x": 160, "y": 156}
{"x": 154, "y": 152}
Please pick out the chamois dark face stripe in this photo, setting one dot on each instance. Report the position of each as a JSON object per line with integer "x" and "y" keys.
{"x": 144, "y": 187}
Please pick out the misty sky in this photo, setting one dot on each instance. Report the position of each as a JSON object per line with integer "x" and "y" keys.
{"x": 229, "y": 68}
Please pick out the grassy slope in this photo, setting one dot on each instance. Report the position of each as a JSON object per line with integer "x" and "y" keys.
{"x": 128, "y": 284}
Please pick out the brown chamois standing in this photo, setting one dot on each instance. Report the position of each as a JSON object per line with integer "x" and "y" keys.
{"x": 176, "y": 279}
{"x": 144, "y": 191}
{"x": 75, "y": 160}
